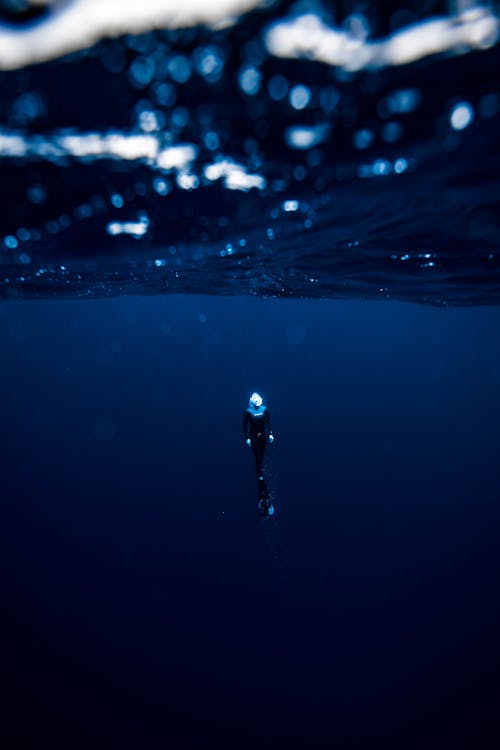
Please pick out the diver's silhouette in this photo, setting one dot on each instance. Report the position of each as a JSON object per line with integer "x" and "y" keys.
{"x": 257, "y": 431}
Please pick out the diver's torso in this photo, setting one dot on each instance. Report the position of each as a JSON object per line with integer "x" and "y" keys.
{"x": 257, "y": 419}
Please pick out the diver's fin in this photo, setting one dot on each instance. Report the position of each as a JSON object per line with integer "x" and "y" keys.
{"x": 265, "y": 507}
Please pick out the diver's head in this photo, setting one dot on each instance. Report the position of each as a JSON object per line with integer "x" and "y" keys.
{"x": 255, "y": 400}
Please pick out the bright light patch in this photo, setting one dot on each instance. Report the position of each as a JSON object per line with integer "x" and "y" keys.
{"x": 309, "y": 36}
{"x": 176, "y": 157}
{"x": 133, "y": 228}
{"x": 187, "y": 181}
{"x": 234, "y": 175}
{"x": 12, "y": 145}
{"x": 461, "y": 116}
{"x": 79, "y": 25}
{"x": 306, "y": 136}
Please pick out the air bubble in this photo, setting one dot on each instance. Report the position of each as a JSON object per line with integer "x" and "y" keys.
{"x": 117, "y": 200}
{"x": 300, "y": 96}
{"x": 363, "y": 139}
{"x": 180, "y": 117}
{"x": 37, "y": 194}
{"x": 461, "y": 116}
{"x": 180, "y": 68}
{"x": 329, "y": 98}
{"x": 278, "y": 87}
{"x": 400, "y": 166}
{"x": 10, "y": 242}
{"x": 300, "y": 172}
{"x": 209, "y": 62}
{"x": 141, "y": 72}
{"x": 113, "y": 59}
{"x": 249, "y": 80}
{"x": 303, "y": 137}
{"x": 211, "y": 140}
{"x": 161, "y": 186}
{"x": 392, "y": 132}
{"x": 164, "y": 94}
{"x": 403, "y": 101}
{"x": 381, "y": 167}
{"x": 27, "y": 107}
{"x": 150, "y": 121}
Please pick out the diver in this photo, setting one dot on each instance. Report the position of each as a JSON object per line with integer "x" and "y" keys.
{"x": 257, "y": 432}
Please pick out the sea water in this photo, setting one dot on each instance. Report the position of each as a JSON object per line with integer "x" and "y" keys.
{"x": 201, "y": 200}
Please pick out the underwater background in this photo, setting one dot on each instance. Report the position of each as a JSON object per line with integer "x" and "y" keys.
{"x": 200, "y": 200}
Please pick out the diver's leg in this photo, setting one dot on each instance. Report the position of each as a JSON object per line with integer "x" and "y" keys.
{"x": 264, "y": 507}
{"x": 261, "y": 442}
{"x": 263, "y": 492}
{"x": 259, "y": 455}
{"x": 255, "y": 451}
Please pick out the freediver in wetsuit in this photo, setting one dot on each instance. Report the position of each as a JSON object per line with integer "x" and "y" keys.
{"x": 257, "y": 432}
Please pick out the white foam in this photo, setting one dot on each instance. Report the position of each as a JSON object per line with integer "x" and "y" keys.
{"x": 12, "y": 145}
{"x": 81, "y": 23}
{"x": 93, "y": 146}
{"x": 134, "y": 228}
{"x": 176, "y": 157}
{"x": 309, "y": 36}
{"x": 234, "y": 175}
{"x": 129, "y": 147}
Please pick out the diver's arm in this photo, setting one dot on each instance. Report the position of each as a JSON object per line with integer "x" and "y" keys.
{"x": 246, "y": 427}
{"x": 268, "y": 427}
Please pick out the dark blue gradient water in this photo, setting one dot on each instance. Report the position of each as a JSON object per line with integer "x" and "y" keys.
{"x": 145, "y": 602}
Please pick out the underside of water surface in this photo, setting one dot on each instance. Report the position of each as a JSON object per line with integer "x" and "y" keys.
{"x": 276, "y": 149}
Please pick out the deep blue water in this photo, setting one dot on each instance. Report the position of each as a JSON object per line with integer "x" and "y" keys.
{"x": 190, "y": 214}
{"x": 144, "y": 602}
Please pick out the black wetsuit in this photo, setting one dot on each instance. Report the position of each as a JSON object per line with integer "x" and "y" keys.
{"x": 257, "y": 427}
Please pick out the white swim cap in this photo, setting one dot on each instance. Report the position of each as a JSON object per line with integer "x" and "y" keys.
{"x": 256, "y": 399}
